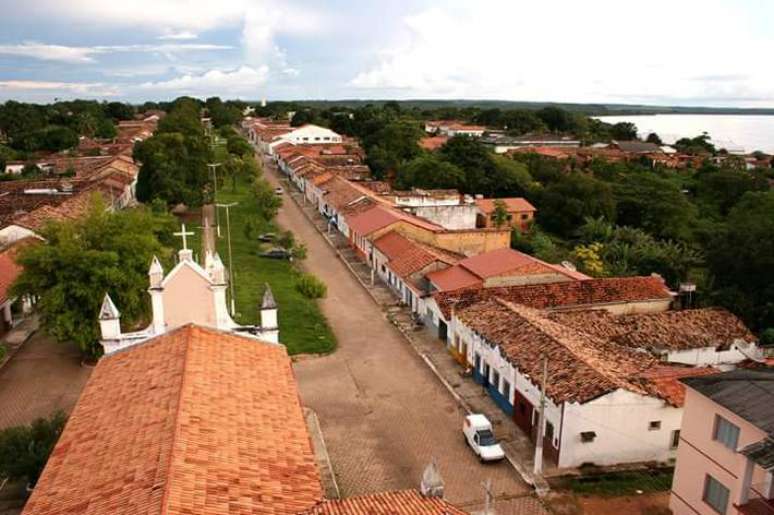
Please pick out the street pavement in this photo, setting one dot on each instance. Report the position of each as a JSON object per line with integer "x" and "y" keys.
{"x": 384, "y": 415}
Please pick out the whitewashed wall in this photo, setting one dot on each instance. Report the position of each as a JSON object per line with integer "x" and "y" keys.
{"x": 621, "y": 421}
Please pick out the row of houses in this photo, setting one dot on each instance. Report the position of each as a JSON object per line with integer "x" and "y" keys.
{"x": 26, "y": 206}
{"x": 76, "y": 161}
{"x": 615, "y": 349}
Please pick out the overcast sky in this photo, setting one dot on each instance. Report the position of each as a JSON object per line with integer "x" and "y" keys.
{"x": 677, "y": 52}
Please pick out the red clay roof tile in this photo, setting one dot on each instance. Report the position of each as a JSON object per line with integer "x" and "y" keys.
{"x": 194, "y": 421}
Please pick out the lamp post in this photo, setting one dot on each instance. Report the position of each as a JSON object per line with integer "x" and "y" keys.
{"x": 232, "y": 274}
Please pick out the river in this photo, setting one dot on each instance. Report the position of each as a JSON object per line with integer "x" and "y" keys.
{"x": 733, "y": 132}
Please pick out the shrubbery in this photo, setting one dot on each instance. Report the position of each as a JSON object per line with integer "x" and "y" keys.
{"x": 24, "y": 450}
{"x": 311, "y": 287}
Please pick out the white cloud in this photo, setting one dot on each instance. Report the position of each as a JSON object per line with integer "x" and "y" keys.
{"x": 184, "y": 35}
{"x": 81, "y": 55}
{"x": 80, "y": 88}
{"x": 572, "y": 51}
{"x": 241, "y": 81}
{"x": 50, "y": 52}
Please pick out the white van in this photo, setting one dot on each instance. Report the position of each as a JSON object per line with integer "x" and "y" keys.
{"x": 480, "y": 437}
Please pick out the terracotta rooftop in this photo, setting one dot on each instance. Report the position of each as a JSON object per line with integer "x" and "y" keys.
{"x": 340, "y": 192}
{"x": 454, "y": 278}
{"x": 9, "y": 268}
{"x": 516, "y": 204}
{"x": 433, "y": 142}
{"x": 407, "y": 256}
{"x": 404, "y": 502}
{"x": 670, "y": 330}
{"x": 380, "y": 217}
{"x": 567, "y": 294}
{"x": 581, "y": 367}
{"x": 194, "y": 421}
{"x": 500, "y": 262}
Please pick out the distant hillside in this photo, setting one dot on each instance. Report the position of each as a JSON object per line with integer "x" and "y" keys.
{"x": 589, "y": 109}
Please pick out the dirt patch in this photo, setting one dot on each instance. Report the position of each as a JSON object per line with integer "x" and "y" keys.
{"x": 645, "y": 504}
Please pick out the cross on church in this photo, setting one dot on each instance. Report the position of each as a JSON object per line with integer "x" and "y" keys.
{"x": 184, "y": 234}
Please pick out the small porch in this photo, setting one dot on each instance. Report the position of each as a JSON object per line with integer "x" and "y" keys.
{"x": 756, "y": 497}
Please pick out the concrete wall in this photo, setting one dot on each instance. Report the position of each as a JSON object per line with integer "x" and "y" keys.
{"x": 621, "y": 421}
{"x": 449, "y": 217}
{"x": 699, "y": 454}
{"x": 522, "y": 279}
{"x": 468, "y": 243}
{"x": 188, "y": 298}
{"x": 739, "y": 351}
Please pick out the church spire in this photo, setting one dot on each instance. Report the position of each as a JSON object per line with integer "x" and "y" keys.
{"x": 268, "y": 299}
{"x": 108, "y": 311}
{"x": 155, "y": 273}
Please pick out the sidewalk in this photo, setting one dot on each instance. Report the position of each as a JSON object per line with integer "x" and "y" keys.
{"x": 518, "y": 447}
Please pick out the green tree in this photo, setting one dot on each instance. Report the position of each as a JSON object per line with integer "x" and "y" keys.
{"x": 266, "y": 200}
{"x": 719, "y": 191}
{"x": 119, "y": 111}
{"x": 656, "y": 205}
{"x": 500, "y": 213}
{"x": 654, "y": 138}
{"x": 565, "y": 204}
{"x": 624, "y": 131}
{"x": 81, "y": 260}
{"x": 24, "y": 450}
{"x": 239, "y": 146}
{"x": 430, "y": 172}
{"x": 741, "y": 260}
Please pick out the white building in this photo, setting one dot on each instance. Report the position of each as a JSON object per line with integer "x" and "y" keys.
{"x": 311, "y": 134}
{"x": 188, "y": 294}
{"x": 610, "y": 397}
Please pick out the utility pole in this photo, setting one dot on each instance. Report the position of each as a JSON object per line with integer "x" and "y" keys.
{"x": 537, "y": 469}
{"x": 213, "y": 167}
{"x": 232, "y": 274}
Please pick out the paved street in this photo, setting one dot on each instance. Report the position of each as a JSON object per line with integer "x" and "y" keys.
{"x": 42, "y": 377}
{"x": 384, "y": 415}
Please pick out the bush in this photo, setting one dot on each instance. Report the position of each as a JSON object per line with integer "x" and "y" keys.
{"x": 767, "y": 337}
{"x": 311, "y": 287}
{"x": 24, "y": 450}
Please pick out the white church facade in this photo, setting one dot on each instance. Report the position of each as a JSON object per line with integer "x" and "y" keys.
{"x": 189, "y": 293}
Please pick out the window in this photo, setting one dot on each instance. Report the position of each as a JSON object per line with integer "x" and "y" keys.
{"x": 675, "y": 441}
{"x": 496, "y": 380}
{"x": 726, "y": 432}
{"x": 654, "y": 425}
{"x": 550, "y": 431}
{"x": 715, "y": 494}
{"x": 506, "y": 389}
{"x": 588, "y": 436}
{"x": 525, "y": 217}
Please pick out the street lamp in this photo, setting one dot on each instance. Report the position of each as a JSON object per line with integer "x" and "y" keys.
{"x": 232, "y": 274}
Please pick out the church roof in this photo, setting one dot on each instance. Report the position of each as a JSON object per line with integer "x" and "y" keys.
{"x": 194, "y": 421}
{"x": 268, "y": 299}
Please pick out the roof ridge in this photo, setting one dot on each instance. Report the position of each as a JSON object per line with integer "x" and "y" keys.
{"x": 533, "y": 316}
{"x": 177, "y": 427}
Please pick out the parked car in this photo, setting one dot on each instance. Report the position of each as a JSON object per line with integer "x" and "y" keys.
{"x": 267, "y": 237}
{"x": 276, "y": 253}
{"x": 480, "y": 437}
{"x": 278, "y": 190}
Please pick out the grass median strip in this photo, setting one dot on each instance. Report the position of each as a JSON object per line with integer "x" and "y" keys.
{"x": 303, "y": 328}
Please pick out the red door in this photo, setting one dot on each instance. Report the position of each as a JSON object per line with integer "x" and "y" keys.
{"x": 522, "y": 412}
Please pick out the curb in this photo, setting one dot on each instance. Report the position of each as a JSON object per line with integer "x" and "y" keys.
{"x": 540, "y": 490}
{"x": 313, "y": 422}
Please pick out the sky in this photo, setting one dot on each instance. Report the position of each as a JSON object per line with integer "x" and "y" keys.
{"x": 662, "y": 52}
